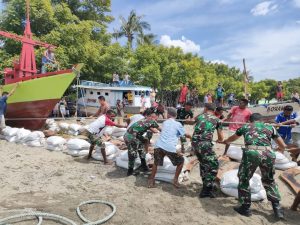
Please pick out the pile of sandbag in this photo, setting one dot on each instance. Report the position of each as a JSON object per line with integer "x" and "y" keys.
{"x": 167, "y": 171}
{"x": 74, "y": 129}
{"x": 52, "y": 125}
{"x": 111, "y": 150}
{"x": 122, "y": 160}
{"x": 235, "y": 152}
{"x": 112, "y": 131}
{"x": 22, "y": 135}
{"x": 35, "y": 139}
{"x": 10, "y": 133}
{"x": 282, "y": 162}
{"x": 229, "y": 184}
{"x": 55, "y": 143}
{"x": 78, "y": 147}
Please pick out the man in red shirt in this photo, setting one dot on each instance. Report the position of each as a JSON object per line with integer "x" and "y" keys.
{"x": 239, "y": 114}
{"x": 94, "y": 129}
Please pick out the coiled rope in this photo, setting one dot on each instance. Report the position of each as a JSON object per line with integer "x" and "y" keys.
{"x": 62, "y": 219}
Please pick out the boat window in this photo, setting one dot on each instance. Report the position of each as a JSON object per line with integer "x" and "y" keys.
{"x": 136, "y": 93}
{"x": 106, "y": 94}
{"x": 98, "y": 93}
{"x": 140, "y": 93}
{"x": 147, "y": 93}
{"x": 84, "y": 91}
{"x": 91, "y": 92}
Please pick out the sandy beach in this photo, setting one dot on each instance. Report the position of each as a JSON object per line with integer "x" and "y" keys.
{"x": 55, "y": 182}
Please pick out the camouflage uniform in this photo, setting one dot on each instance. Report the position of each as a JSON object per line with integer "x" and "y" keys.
{"x": 257, "y": 134}
{"x": 202, "y": 144}
{"x": 182, "y": 114}
{"x": 135, "y": 140}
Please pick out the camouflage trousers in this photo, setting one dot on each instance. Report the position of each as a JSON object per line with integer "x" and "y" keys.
{"x": 265, "y": 160}
{"x": 209, "y": 164}
{"x": 135, "y": 148}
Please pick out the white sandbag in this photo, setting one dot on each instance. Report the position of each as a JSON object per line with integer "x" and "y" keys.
{"x": 35, "y": 135}
{"x": 55, "y": 141}
{"x": 11, "y": 138}
{"x": 72, "y": 132}
{"x": 98, "y": 156}
{"x": 108, "y": 130}
{"x": 76, "y": 153}
{"x": 36, "y": 143}
{"x": 124, "y": 164}
{"x": 63, "y": 126}
{"x": 285, "y": 166}
{"x": 110, "y": 148}
{"x": 54, "y": 128}
{"x": 121, "y": 138}
{"x": 78, "y": 144}
{"x": 10, "y": 131}
{"x": 50, "y": 121}
{"x": 75, "y": 127}
{"x": 235, "y": 152}
{"x": 55, "y": 147}
{"x": 259, "y": 196}
{"x": 281, "y": 158}
{"x": 168, "y": 177}
{"x": 118, "y": 132}
{"x": 124, "y": 156}
{"x": 22, "y": 134}
{"x": 2, "y": 137}
{"x": 231, "y": 180}
{"x": 167, "y": 167}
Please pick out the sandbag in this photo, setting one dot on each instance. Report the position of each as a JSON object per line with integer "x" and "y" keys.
{"x": 124, "y": 156}
{"x": 108, "y": 130}
{"x": 121, "y": 138}
{"x": 10, "y": 131}
{"x": 98, "y": 156}
{"x": 281, "y": 158}
{"x": 73, "y": 133}
{"x": 36, "y": 143}
{"x": 124, "y": 164}
{"x": 285, "y": 166}
{"x": 231, "y": 180}
{"x": 235, "y": 152}
{"x": 22, "y": 134}
{"x": 55, "y": 141}
{"x": 78, "y": 144}
{"x": 50, "y": 121}
{"x": 35, "y": 135}
{"x": 167, "y": 167}
{"x": 55, "y": 147}
{"x": 11, "y": 138}
{"x": 75, "y": 127}
{"x": 77, "y": 153}
{"x": 259, "y": 196}
{"x": 63, "y": 126}
{"x": 118, "y": 132}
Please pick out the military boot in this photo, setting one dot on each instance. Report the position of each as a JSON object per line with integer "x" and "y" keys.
{"x": 144, "y": 165}
{"x": 205, "y": 192}
{"x": 278, "y": 211}
{"x": 244, "y": 210}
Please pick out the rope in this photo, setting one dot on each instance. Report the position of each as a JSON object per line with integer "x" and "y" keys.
{"x": 61, "y": 219}
{"x": 118, "y": 117}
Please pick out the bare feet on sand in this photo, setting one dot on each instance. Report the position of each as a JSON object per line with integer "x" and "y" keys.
{"x": 108, "y": 162}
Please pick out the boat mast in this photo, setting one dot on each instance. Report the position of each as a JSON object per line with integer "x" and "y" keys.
{"x": 245, "y": 80}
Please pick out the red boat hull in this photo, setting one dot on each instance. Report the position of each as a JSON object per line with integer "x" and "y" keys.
{"x": 23, "y": 114}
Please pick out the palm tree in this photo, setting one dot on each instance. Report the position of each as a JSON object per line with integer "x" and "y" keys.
{"x": 148, "y": 39}
{"x": 131, "y": 27}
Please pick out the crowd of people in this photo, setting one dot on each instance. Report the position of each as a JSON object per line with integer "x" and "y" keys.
{"x": 257, "y": 151}
{"x": 117, "y": 82}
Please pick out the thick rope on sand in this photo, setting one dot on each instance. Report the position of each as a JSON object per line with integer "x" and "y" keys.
{"x": 61, "y": 219}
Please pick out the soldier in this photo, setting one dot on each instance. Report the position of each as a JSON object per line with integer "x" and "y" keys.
{"x": 202, "y": 144}
{"x": 135, "y": 140}
{"x": 257, "y": 153}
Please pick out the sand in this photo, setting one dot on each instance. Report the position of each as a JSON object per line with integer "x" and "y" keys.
{"x": 55, "y": 182}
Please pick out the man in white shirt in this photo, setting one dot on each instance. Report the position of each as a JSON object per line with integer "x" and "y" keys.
{"x": 94, "y": 129}
{"x": 166, "y": 146}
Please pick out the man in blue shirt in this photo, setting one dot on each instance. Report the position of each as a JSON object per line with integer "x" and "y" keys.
{"x": 285, "y": 132}
{"x": 166, "y": 146}
{"x": 3, "y": 105}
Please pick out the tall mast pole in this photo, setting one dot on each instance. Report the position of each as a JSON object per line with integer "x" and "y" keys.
{"x": 245, "y": 80}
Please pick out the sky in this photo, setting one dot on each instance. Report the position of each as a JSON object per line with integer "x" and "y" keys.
{"x": 265, "y": 33}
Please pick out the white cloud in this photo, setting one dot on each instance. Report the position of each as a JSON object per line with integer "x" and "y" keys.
{"x": 217, "y": 61}
{"x": 298, "y": 22}
{"x": 185, "y": 44}
{"x": 264, "y": 8}
{"x": 269, "y": 53}
{"x": 297, "y": 3}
